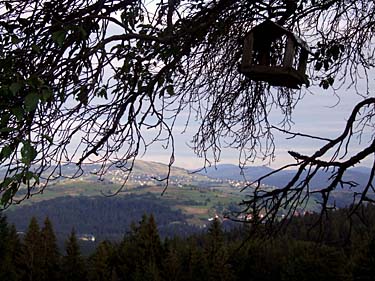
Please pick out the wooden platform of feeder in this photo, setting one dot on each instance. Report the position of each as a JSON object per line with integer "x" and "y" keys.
{"x": 276, "y": 75}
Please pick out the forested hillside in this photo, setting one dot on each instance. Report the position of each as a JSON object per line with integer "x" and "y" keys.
{"x": 105, "y": 218}
{"x": 336, "y": 250}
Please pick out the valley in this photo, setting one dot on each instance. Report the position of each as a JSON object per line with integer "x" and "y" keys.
{"x": 104, "y": 207}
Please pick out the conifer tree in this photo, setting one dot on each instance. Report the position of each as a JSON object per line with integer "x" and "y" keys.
{"x": 140, "y": 253}
{"x": 196, "y": 264}
{"x": 364, "y": 268}
{"x": 31, "y": 253}
{"x": 101, "y": 263}
{"x": 73, "y": 264}
{"x": 172, "y": 270}
{"x": 215, "y": 253}
{"x": 308, "y": 261}
{"x": 9, "y": 251}
{"x": 15, "y": 250}
{"x": 49, "y": 252}
{"x": 3, "y": 239}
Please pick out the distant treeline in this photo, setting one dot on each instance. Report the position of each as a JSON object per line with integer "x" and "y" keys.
{"x": 106, "y": 218}
{"x": 338, "y": 249}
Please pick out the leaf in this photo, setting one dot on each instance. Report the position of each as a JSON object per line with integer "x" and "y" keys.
{"x": 15, "y": 87}
{"x": 28, "y": 153}
{"x": 35, "y": 48}
{"x": 83, "y": 96}
{"x": 330, "y": 80}
{"x": 48, "y": 138}
{"x": 6, "y": 197}
{"x": 15, "y": 39}
{"x": 181, "y": 70}
{"x": 36, "y": 178}
{"x": 24, "y": 22}
{"x": 6, "y": 182}
{"x": 6, "y": 151}
{"x": 31, "y": 102}
{"x": 35, "y": 81}
{"x": 83, "y": 32}
{"x": 335, "y": 50}
{"x": 27, "y": 177}
{"x": 7, "y": 130}
{"x": 8, "y": 6}
{"x": 12, "y": 187}
{"x": 46, "y": 94}
{"x": 18, "y": 113}
{"x": 102, "y": 93}
{"x": 324, "y": 84}
{"x": 4, "y": 120}
{"x": 58, "y": 37}
{"x": 170, "y": 90}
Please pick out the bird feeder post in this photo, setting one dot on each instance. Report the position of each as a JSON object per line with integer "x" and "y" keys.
{"x": 302, "y": 65}
{"x": 289, "y": 52}
{"x": 247, "y": 50}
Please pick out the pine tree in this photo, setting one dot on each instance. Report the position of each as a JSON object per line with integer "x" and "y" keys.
{"x": 73, "y": 264}
{"x": 31, "y": 253}
{"x": 49, "y": 252}
{"x": 140, "y": 253}
{"x": 172, "y": 269}
{"x": 364, "y": 268}
{"x": 3, "y": 235}
{"x": 101, "y": 263}
{"x": 9, "y": 251}
{"x": 195, "y": 262}
{"x": 3, "y": 238}
{"x": 308, "y": 261}
{"x": 149, "y": 245}
{"x": 215, "y": 253}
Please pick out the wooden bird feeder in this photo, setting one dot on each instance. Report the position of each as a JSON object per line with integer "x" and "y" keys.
{"x": 275, "y": 55}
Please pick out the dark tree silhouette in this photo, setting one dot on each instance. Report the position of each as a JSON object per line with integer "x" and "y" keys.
{"x": 49, "y": 252}
{"x": 81, "y": 81}
{"x": 31, "y": 258}
{"x": 10, "y": 248}
{"x": 140, "y": 252}
{"x": 73, "y": 264}
{"x": 101, "y": 263}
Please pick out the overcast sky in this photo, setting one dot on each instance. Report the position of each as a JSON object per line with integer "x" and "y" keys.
{"x": 320, "y": 113}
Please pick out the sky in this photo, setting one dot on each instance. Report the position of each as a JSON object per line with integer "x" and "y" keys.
{"x": 320, "y": 113}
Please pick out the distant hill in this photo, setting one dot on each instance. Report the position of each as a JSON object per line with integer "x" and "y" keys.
{"x": 145, "y": 169}
{"x": 194, "y": 198}
{"x": 233, "y": 172}
{"x": 181, "y": 211}
{"x": 105, "y": 218}
{"x": 190, "y": 200}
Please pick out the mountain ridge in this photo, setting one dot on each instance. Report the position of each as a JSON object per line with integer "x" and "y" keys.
{"x": 281, "y": 178}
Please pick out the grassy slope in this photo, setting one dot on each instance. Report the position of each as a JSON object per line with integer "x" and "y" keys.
{"x": 202, "y": 203}
{"x": 194, "y": 194}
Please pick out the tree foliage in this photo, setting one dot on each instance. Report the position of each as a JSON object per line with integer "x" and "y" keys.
{"x": 73, "y": 264}
{"x": 214, "y": 254}
{"x": 82, "y": 80}
{"x": 31, "y": 258}
{"x": 140, "y": 252}
{"x": 49, "y": 251}
{"x": 10, "y": 248}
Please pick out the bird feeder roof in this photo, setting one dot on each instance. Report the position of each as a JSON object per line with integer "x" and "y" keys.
{"x": 270, "y": 31}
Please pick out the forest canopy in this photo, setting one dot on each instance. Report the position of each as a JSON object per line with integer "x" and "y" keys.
{"x": 103, "y": 72}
